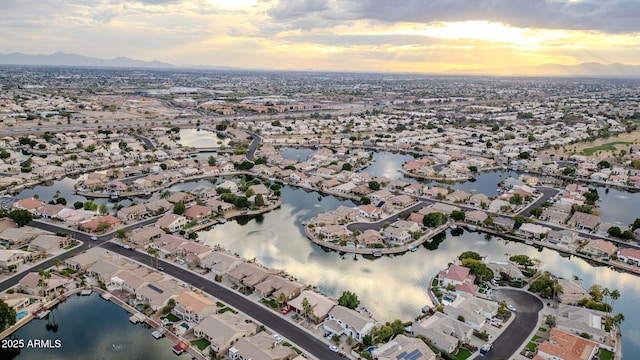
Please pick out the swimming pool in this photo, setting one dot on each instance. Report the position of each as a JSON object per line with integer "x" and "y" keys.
{"x": 20, "y": 315}
{"x": 185, "y": 326}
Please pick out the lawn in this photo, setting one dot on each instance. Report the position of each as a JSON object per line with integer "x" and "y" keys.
{"x": 219, "y": 304}
{"x": 225, "y": 309}
{"x": 270, "y": 303}
{"x": 531, "y": 347}
{"x": 298, "y": 351}
{"x": 463, "y": 354}
{"x": 172, "y": 318}
{"x": 435, "y": 281}
{"x": 536, "y": 337}
{"x": 604, "y": 147}
{"x": 201, "y": 344}
{"x": 544, "y": 330}
{"x": 605, "y": 354}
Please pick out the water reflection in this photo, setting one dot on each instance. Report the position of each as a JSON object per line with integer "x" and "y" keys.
{"x": 201, "y": 139}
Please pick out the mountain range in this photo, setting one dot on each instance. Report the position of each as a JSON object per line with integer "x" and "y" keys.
{"x": 65, "y": 59}
{"x": 591, "y": 69}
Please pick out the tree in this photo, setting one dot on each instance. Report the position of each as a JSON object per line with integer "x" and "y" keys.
{"x": 349, "y": 299}
{"x": 153, "y": 253}
{"x": 516, "y": 199}
{"x": 374, "y": 185}
{"x": 434, "y": 219}
{"x": 364, "y": 200}
{"x": 524, "y": 155}
{"x": 307, "y": 309}
{"x": 536, "y": 212}
{"x": 604, "y": 164}
{"x": 103, "y": 226}
{"x": 179, "y": 208}
{"x": 614, "y": 231}
{"x": 480, "y": 270}
{"x": 21, "y": 217}
{"x": 546, "y": 285}
{"x": 591, "y": 197}
{"x": 282, "y": 298}
{"x": 458, "y": 215}
{"x": 259, "y": 201}
{"x": 121, "y": 234}
{"x": 78, "y": 205}
{"x": 7, "y": 315}
{"x": 470, "y": 255}
{"x": 104, "y": 210}
{"x": 211, "y": 161}
{"x": 347, "y": 167}
{"x": 596, "y": 292}
{"x": 163, "y": 166}
{"x": 636, "y": 224}
{"x": 522, "y": 260}
{"x": 193, "y": 235}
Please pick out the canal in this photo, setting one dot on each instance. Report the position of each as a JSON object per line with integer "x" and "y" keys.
{"x": 89, "y": 327}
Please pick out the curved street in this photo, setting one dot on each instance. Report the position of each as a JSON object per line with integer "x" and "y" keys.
{"x": 517, "y": 333}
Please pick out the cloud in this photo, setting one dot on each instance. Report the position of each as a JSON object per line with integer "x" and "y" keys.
{"x": 615, "y": 16}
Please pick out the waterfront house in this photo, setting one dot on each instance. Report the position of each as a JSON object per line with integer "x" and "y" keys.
{"x": 535, "y": 231}
{"x": 351, "y": 323}
{"x": 563, "y": 238}
{"x": 222, "y": 330}
{"x": 158, "y": 294}
{"x": 455, "y": 275}
{"x": 436, "y": 191}
{"x": 219, "y": 206}
{"x": 30, "y": 204}
{"x": 260, "y": 346}
{"x": 572, "y": 291}
{"x": 370, "y": 238}
{"x": 566, "y": 346}
{"x": 600, "y": 248}
{"x": 629, "y": 255}
{"x": 439, "y": 207}
{"x": 396, "y": 236}
{"x": 403, "y": 347}
{"x": 402, "y": 200}
{"x": 557, "y": 213}
{"x": 505, "y": 269}
{"x": 475, "y": 311}
{"x": 380, "y": 195}
{"x": 458, "y": 196}
{"x": 479, "y": 200}
{"x": 584, "y": 221}
{"x": 181, "y": 197}
{"x": 135, "y": 212}
{"x": 158, "y": 207}
{"x": 49, "y": 211}
{"x": 219, "y": 262}
{"x": 497, "y": 205}
{"x": 579, "y": 320}
{"x": 191, "y": 306}
{"x": 445, "y": 332}
{"x": 194, "y": 251}
{"x": 31, "y": 284}
{"x": 172, "y": 222}
{"x": 476, "y": 216}
{"x": 228, "y": 185}
{"x": 248, "y": 275}
{"x": 13, "y": 258}
{"x": 198, "y": 212}
{"x": 274, "y": 285}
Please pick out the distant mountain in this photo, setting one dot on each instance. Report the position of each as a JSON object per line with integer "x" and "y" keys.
{"x": 65, "y": 59}
{"x": 590, "y": 69}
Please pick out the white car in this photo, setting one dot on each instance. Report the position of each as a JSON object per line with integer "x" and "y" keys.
{"x": 333, "y": 348}
{"x": 511, "y": 308}
{"x": 94, "y": 238}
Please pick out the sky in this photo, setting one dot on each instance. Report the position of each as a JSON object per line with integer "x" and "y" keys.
{"x": 427, "y": 36}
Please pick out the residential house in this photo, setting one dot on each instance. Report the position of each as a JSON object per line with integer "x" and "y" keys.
{"x": 146, "y": 235}
{"x": 192, "y": 306}
{"x": 579, "y": 320}
{"x": 396, "y": 236}
{"x": 168, "y": 245}
{"x": 222, "y": 330}
{"x": 102, "y": 223}
{"x": 458, "y": 196}
{"x": 275, "y": 285}
{"x": 584, "y": 221}
{"x": 198, "y": 212}
{"x": 533, "y": 230}
{"x": 181, "y": 197}
{"x": 31, "y": 284}
{"x": 476, "y": 216}
{"x": 261, "y": 346}
{"x": 629, "y": 255}
{"x": 404, "y": 348}
{"x": 135, "y": 212}
{"x": 370, "y": 211}
{"x": 249, "y": 275}
{"x": 48, "y": 243}
{"x": 172, "y": 222}
{"x": 370, "y": 238}
{"x": 158, "y": 207}
{"x": 563, "y": 238}
{"x": 30, "y": 204}
{"x": 219, "y": 262}
{"x": 402, "y": 200}
{"x": 351, "y": 323}
{"x": 320, "y": 305}
{"x": 600, "y": 248}
{"x": 85, "y": 260}
{"x": 455, "y": 275}
{"x": 479, "y": 200}
{"x": 475, "y": 311}
{"x": 443, "y": 331}
{"x": 566, "y": 346}
{"x": 13, "y": 258}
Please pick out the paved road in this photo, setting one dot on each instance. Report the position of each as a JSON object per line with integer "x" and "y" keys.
{"x": 257, "y": 311}
{"x": 78, "y": 235}
{"x": 147, "y": 142}
{"x": 526, "y": 320}
{"x": 547, "y": 193}
{"x": 251, "y": 152}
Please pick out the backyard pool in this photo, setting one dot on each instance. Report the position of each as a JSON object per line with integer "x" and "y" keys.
{"x": 20, "y": 315}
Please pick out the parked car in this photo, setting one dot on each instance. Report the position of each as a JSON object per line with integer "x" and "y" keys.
{"x": 511, "y": 308}
{"x": 94, "y": 238}
{"x": 333, "y": 348}
{"x": 160, "y": 268}
{"x": 286, "y": 310}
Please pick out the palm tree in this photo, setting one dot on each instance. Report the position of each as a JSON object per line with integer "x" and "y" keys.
{"x": 614, "y": 295}
{"x": 282, "y": 298}
{"x": 43, "y": 282}
{"x": 56, "y": 263}
{"x": 152, "y": 253}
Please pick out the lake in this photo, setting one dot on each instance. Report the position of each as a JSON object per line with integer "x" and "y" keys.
{"x": 90, "y": 327}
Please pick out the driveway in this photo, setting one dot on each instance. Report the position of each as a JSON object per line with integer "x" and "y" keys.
{"x": 517, "y": 333}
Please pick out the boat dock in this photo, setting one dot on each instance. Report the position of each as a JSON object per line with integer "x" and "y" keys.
{"x": 86, "y": 292}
